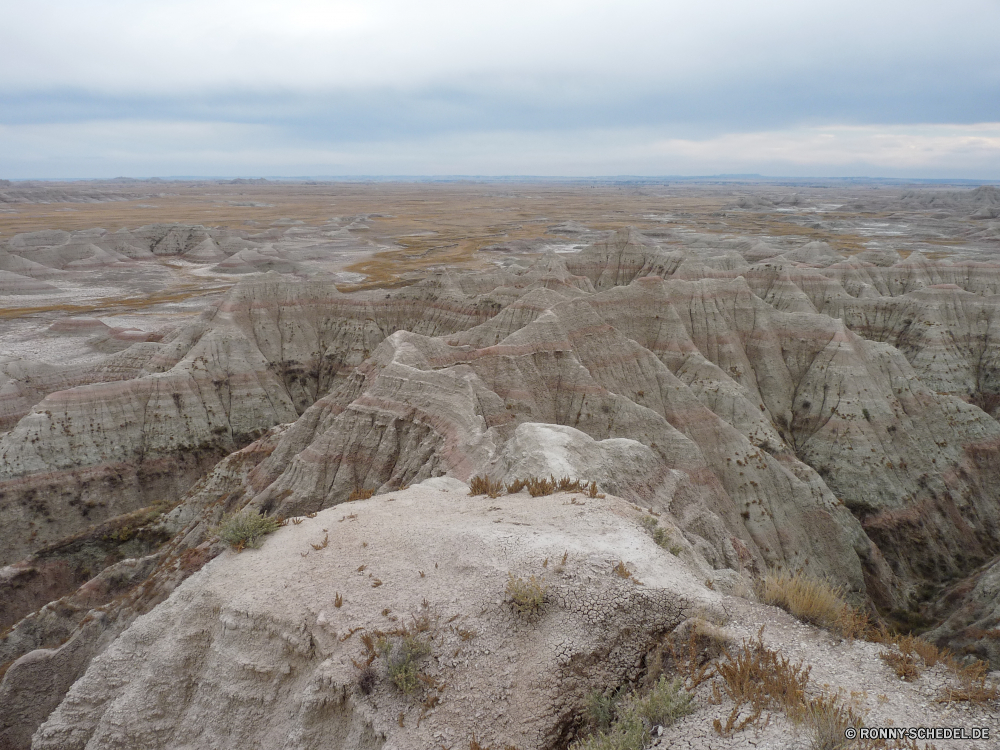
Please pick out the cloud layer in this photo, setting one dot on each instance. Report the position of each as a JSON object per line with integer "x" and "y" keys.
{"x": 543, "y": 87}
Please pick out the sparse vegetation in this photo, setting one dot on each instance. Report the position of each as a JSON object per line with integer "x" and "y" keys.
{"x": 401, "y": 659}
{"x": 760, "y": 679}
{"x": 245, "y": 529}
{"x": 810, "y": 600}
{"x": 359, "y": 494}
{"x": 660, "y": 535}
{"x": 527, "y": 596}
{"x": 829, "y": 718}
{"x": 665, "y": 703}
{"x": 623, "y": 723}
{"x": 541, "y": 487}
{"x": 485, "y": 486}
{"x": 903, "y": 664}
{"x": 536, "y": 486}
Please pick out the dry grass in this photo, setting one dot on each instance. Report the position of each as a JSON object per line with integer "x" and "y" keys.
{"x": 972, "y": 687}
{"x": 829, "y": 718}
{"x": 536, "y": 486}
{"x": 808, "y": 599}
{"x": 360, "y": 494}
{"x": 481, "y": 485}
{"x": 905, "y": 665}
{"x": 757, "y": 679}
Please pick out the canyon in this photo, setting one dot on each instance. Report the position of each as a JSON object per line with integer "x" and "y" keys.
{"x": 786, "y": 377}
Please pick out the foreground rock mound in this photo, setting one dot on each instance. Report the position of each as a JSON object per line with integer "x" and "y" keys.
{"x": 268, "y": 640}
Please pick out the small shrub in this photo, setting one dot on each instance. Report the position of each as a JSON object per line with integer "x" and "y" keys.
{"x": 602, "y": 707}
{"x": 516, "y": 486}
{"x": 627, "y": 733}
{"x": 762, "y": 679}
{"x": 665, "y": 703}
{"x": 973, "y": 687}
{"x": 569, "y": 485}
{"x": 401, "y": 660}
{"x": 904, "y": 665}
{"x": 828, "y": 719}
{"x": 481, "y": 485}
{"x": 623, "y": 724}
{"x": 360, "y": 494}
{"x": 808, "y": 599}
{"x": 527, "y": 596}
{"x": 660, "y": 535}
{"x": 541, "y": 487}
{"x": 245, "y": 529}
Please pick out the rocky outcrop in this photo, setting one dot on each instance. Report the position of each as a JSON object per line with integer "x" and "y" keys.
{"x": 794, "y": 409}
{"x": 89, "y": 453}
{"x": 265, "y": 660}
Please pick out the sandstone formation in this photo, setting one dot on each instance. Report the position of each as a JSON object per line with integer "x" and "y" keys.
{"x": 776, "y": 406}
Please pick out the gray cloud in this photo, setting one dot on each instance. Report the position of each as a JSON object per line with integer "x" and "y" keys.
{"x": 322, "y": 77}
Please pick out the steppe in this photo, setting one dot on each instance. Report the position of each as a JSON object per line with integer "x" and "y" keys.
{"x": 755, "y": 376}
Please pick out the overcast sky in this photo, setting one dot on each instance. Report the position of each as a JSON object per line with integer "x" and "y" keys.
{"x": 304, "y": 87}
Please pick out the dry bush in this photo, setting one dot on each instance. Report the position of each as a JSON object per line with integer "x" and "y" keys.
{"x": 516, "y": 486}
{"x": 527, "y": 596}
{"x": 245, "y": 529}
{"x": 485, "y": 486}
{"x": 828, "y": 719}
{"x": 541, "y": 487}
{"x": 359, "y": 494}
{"x": 592, "y": 491}
{"x": 808, "y": 599}
{"x": 973, "y": 686}
{"x": 761, "y": 679}
{"x": 903, "y": 664}
{"x": 690, "y": 652}
{"x": 570, "y": 485}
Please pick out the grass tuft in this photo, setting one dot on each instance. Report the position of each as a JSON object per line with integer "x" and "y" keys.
{"x": 527, "y": 596}
{"x": 623, "y": 723}
{"x": 481, "y": 485}
{"x": 810, "y": 600}
{"x": 401, "y": 659}
{"x": 245, "y": 529}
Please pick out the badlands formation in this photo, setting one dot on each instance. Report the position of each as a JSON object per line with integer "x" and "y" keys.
{"x": 802, "y": 382}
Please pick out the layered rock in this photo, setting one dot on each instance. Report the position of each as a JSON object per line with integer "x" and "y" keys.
{"x": 272, "y": 663}
{"x": 92, "y": 452}
{"x": 794, "y": 409}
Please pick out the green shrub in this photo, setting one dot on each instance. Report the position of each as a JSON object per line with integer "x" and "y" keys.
{"x": 627, "y": 733}
{"x": 623, "y": 723}
{"x": 602, "y": 707}
{"x": 527, "y": 596}
{"x": 401, "y": 660}
{"x": 245, "y": 529}
{"x": 665, "y": 703}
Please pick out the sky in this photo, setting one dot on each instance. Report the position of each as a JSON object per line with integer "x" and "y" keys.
{"x": 875, "y": 88}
